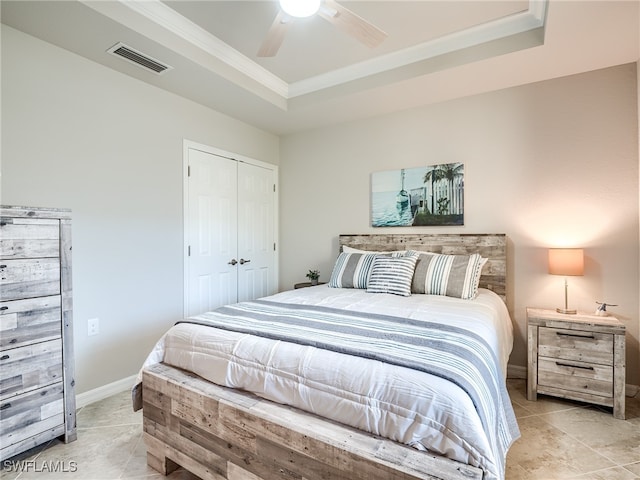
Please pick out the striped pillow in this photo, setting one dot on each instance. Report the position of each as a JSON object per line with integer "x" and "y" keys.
{"x": 450, "y": 275}
{"x": 392, "y": 275}
{"x": 351, "y": 270}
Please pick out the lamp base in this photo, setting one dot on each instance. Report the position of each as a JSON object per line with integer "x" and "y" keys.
{"x": 566, "y": 311}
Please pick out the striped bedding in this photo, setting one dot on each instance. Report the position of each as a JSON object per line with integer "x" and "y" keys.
{"x": 433, "y": 383}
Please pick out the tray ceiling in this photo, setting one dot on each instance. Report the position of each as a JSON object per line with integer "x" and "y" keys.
{"x": 322, "y": 75}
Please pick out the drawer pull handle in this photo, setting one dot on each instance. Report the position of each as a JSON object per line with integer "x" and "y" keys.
{"x": 4, "y": 357}
{"x": 4, "y": 307}
{"x": 573, "y": 366}
{"x": 562, "y": 334}
{"x": 3, "y": 266}
{"x": 5, "y": 406}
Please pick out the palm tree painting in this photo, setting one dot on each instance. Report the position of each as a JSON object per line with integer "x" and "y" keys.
{"x": 422, "y": 196}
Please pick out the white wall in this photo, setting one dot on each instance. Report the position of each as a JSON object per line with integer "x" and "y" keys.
{"x": 78, "y": 135}
{"x": 550, "y": 164}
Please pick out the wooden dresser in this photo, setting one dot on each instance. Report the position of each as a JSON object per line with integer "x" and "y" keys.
{"x": 37, "y": 394}
{"x": 580, "y": 357}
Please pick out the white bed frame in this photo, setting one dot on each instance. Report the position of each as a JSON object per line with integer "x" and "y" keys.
{"x": 220, "y": 433}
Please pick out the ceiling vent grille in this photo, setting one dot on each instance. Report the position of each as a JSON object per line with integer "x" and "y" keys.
{"x": 133, "y": 56}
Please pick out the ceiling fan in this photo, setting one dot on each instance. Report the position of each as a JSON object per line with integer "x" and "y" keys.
{"x": 331, "y": 11}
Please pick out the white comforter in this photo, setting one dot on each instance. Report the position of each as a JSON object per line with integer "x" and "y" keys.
{"x": 408, "y": 406}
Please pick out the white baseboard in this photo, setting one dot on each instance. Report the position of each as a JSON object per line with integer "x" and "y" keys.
{"x": 516, "y": 371}
{"x": 86, "y": 398}
{"x": 631, "y": 390}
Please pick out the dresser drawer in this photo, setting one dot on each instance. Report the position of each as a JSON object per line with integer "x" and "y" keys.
{"x": 29, "y": 238}
{"x": 32, "y": 366}
{"x": 29, "y": 278}
{"x": 30, "y": 320}
{"x": 30, "y": 414}
{"x": 576, "y": 376}
{"x": 583, "y": 346}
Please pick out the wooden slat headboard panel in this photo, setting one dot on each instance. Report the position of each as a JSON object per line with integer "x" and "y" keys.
{"x": 492, "y": 246}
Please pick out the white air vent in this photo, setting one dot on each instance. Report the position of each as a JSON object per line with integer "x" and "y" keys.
{"x": 139, "y": 58}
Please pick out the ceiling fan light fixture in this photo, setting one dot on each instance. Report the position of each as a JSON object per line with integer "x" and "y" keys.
{"x": 300, "y": 8}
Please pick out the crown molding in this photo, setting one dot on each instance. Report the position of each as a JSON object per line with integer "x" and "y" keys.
{"x": 224, "y": 60}
{"x": 514, "y": 24}
{"x": 169, "y": 19}
{"x": 163, "y": 25}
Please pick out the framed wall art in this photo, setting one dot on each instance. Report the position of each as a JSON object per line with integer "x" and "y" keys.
{"x": 421, "y": 196}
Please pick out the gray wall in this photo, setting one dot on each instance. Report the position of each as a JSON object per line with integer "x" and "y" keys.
{"x": 78, "y": 135}
{"x": 549, "y": 164}
{"x": 553, "y": 163}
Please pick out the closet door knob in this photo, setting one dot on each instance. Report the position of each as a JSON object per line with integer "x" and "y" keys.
{"x": 243, "y": 261}
{"x": 233, "y": 261}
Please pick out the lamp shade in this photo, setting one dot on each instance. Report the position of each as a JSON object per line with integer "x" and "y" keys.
{"x": 566, "y": 261}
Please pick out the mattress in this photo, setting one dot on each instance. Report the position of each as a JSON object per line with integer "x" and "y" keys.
{"x": 410, "y": 406}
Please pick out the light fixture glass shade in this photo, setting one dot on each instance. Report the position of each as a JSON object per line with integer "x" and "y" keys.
{"x": 300, "y": 8}
{"x": 566, "y": 261}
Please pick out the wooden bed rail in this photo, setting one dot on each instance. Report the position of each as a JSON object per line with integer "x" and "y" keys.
{"x": 220, "y": 433}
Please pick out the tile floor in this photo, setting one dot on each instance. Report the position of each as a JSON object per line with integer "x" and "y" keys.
{"x": 560, "y": 440}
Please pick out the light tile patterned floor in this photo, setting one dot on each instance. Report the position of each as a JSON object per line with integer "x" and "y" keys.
{"x": 560, "y": 440}
{"x": 568, "y": 440}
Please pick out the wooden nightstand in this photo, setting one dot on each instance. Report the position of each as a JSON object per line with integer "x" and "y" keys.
{"x": 580, "y": 357}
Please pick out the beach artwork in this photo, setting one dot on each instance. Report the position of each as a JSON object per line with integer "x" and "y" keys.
{"x": 422, "y": 196}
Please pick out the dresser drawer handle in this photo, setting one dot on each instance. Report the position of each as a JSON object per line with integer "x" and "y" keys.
{"x": 4, "y": 307}
{"x": 562, "y": 334}
{"x": 5, "y": 406}
{"x": 4, "y": 357}
{"x": 573, "y": 366}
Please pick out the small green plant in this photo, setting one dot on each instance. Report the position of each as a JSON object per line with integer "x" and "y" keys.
{"x": 313, "y": 275}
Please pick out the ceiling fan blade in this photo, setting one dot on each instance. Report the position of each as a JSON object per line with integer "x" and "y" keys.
{"x": 351, "y": 23}
{"x": 275, "y": 35}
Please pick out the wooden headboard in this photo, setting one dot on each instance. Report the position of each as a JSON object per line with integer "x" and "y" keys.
{"x": 492, "y": 246}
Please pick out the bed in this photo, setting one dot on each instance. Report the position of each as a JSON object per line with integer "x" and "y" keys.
{"x": 266, "y": 389}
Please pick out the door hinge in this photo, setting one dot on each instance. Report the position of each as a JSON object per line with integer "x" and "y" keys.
{"x": 274, "y": 246}
{"x": 189, "y": 251}
{"x": 188, "y": 170}
{"x": 274, "y": 188}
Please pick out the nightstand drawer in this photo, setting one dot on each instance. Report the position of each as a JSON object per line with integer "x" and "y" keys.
{"x": 576, "y": 376}
{"x": 583, "y": 346}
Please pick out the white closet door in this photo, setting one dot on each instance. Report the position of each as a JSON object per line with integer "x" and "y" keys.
{"x": 212, "y": 232}
{"x": 256, "y": 234}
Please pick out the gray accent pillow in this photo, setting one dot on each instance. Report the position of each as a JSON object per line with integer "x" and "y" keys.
{"x": 451, "y": 275}
{"x": 392, "y": 275}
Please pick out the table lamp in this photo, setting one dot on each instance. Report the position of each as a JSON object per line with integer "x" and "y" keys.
{"x": 567, "y": 262}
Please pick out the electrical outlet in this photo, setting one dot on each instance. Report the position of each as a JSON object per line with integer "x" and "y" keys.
{"x": 93, "y": 326}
